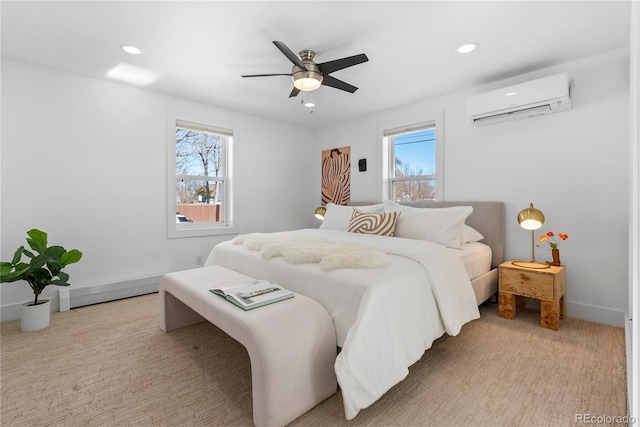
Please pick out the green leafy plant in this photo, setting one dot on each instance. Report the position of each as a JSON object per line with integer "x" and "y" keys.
{"x": 45, "y": 267}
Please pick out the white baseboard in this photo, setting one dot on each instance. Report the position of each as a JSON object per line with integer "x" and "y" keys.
{"x": 79, "y": 297}
{"x": 592, "y": 313}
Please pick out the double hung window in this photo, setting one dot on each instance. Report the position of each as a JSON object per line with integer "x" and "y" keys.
{"x": 199, "y": 185}
{"x": 414, "y": 162}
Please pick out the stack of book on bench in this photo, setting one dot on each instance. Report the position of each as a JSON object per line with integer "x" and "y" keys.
{"x": 253, "y": 294}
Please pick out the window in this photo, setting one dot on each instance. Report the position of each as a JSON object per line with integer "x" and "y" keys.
{"x": 199, "y": 178}
{"x": 413, "y": 162}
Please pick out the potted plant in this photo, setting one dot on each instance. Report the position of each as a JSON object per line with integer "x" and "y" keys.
{"x": 44, "y": 269}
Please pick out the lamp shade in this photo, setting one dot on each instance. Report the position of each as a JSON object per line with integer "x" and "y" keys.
{"x": 530, "y": 218}
{"x": 320, "y": 211}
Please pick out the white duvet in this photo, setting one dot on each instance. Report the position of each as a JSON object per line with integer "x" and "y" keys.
{"x": 385, "y": 318}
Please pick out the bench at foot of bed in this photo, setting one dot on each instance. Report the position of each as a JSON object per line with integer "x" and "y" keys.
{"x": 291, "y": 344}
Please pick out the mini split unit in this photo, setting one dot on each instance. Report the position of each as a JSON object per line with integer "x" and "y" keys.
{"x": 533, "y": 98}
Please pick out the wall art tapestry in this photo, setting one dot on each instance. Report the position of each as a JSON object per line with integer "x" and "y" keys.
{"x": 336, "y": 176}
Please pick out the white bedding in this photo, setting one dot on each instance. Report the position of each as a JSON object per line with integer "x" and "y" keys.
{"x": 385, "y": 318}
{"x": 476, "y": 258}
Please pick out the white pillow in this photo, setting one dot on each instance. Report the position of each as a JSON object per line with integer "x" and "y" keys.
{"x": 337, "y": 217}
{"x": 470, "y": 234}
{"x": 390, "y": 206}
{"x": 439, "y": 225}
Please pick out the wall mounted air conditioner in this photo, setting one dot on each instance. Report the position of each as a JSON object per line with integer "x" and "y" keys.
{"x": 533, "y": 98}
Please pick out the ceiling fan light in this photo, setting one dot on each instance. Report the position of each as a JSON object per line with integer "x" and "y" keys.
{"x": 307, "y": 84}
{"x": 307, "y": 81}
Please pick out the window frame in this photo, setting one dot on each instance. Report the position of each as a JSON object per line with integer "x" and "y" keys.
{"x": 405, "y": 125}
{"x": 180, "y": 230}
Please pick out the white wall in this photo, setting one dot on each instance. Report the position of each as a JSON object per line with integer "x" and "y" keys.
{"x": 572, "y": 165}
{"x": 86, "y": 161}
{"x": 75, "y": 151}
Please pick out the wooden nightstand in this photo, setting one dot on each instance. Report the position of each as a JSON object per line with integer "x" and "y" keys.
{"x": 547, "y": 285}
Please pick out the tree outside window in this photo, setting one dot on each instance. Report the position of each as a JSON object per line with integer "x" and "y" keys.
{"x": 199, "y": 153}
{"x": 200, "y": 174}
{"x": 413, "y": 175}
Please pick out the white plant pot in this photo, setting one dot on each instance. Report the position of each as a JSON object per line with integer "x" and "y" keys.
{"x": 35, "y": 317}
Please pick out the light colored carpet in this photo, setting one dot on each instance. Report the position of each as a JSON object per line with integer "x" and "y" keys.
{"x": 110, "y": 365}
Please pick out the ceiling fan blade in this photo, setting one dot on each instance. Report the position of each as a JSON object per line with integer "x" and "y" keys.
{"x": 339, "y": 64}
{"x": 266, "y": 75}
{"x": 294, "y": 92}
{"x": 289, "y": 54}
{"x": 338, "y": 84}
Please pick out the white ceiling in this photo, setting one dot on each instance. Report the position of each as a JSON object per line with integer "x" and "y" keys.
{"x": 199, "y": 50}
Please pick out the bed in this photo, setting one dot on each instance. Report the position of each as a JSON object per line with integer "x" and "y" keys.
{"x": 389, "y": 297}
{"x": 488, "y": 219}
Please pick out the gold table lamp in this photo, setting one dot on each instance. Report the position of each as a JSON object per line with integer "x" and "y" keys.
{"x": 531, "y": 219}
{"x": 320, "y": 211}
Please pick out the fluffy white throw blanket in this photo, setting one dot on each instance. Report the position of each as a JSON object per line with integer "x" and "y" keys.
{"x": 329, "y": 255}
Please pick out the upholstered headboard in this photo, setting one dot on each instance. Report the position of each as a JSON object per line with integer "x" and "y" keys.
{"x": 487, "y": 218}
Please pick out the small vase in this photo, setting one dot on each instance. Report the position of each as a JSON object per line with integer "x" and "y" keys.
{"x": 35, "y": 317}
{"x": 555, "y": 253}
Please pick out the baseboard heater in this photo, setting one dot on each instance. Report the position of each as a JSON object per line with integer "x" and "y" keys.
{"x": 80, "y": 297}
{"x": 73, "y": 297}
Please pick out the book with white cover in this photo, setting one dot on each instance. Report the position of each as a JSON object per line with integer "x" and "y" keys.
{"x": 254, "y": 294}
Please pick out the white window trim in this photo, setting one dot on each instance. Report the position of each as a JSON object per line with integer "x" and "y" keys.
{"x": 175, "y": 230}
{"x": 405, "y": 124}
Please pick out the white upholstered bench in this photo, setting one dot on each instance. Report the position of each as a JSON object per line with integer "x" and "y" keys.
{"x": 291, "y": 344}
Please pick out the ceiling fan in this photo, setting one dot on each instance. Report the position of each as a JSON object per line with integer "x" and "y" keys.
{"x": 307, "y": 75}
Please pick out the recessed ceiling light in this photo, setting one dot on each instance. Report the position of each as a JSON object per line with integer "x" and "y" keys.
{"x": 510, "y": 93}
{"x": 309, "y": 104}
{"x": 466, "y": 48}
{"x": 133, "y": 50}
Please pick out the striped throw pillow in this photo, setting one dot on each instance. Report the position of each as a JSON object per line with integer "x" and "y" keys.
{"x": 382, "y": 224}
